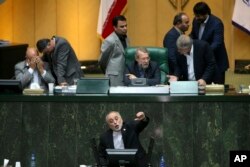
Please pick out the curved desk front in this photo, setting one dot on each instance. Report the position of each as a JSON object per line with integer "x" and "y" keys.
{"x": 189, "y": 130}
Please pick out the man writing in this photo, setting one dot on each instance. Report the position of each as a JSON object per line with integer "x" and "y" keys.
{"x": 196, "y": 62}
{"x": 123, "y": 135}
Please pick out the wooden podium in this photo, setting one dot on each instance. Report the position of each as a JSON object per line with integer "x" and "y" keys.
{"x": 10, "y": 54}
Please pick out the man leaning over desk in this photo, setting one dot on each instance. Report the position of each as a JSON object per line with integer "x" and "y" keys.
{"x": 196, "y": 62}
{"x": 142, "y": 67}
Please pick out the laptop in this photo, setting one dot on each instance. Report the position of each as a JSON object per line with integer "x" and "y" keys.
{"x": 10, "y": 86}
{"x": 92, "y": 86}
{"x": 184, "y": 87}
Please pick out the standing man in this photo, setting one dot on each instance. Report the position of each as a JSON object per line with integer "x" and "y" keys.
{"x": 112, "y": 59}
{"x": 62, "y": 58}
{"x": 181, "y": 25}
{"x": 142, "y": 67}
{"x": 195, "y": 62}
{"x": 33, "y": 72}
{"x": 123, "y": 135}
{"x": 210, "y": 28}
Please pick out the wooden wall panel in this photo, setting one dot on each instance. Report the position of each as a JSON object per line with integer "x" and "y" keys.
{"x": 144, "y": 20}
{"x": 45, "y": 18}
{"x": 24, "y": 21}
{"x": 67, "y": 21}
{"x": 227, "y": 9}
{"x": 89, "y": 43}
{"x": 242, "y": 50}
{"x": 6, "y": 20}
{"x": 165, "y": 14}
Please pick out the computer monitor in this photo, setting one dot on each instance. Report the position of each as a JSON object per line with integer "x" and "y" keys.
{"x": 10, "y": 86}
{"x": 121, "y": 157}
{"x": 92, "y": 86}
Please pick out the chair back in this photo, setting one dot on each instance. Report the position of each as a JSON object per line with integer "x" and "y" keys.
{"x": 95, "y": 152}
{"x": 150, "y": 150}
{"x": 157, "y": 54}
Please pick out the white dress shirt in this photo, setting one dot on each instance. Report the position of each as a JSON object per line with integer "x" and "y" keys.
{"x": 118, "y": 141}
{"x": 190, "y": 65}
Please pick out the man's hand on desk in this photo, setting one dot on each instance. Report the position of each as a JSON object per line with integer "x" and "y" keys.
{"x": 202, "y": 82}
{"x": 172, "y": 78}
{"x": 63, "y": 84}
{"x": 131, "y": 76}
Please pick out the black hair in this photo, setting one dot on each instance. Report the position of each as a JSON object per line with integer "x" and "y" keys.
{"x": 118, "y": 18}
{"x": 42, "y": 44}
{"x": 201, "y": 8}
{"x": 178, "y": 18}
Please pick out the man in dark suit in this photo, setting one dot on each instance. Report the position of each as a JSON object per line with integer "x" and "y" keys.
{"x": 142, "y": 67}
{"x": 112, "y": 59}
{"x": 62, "y": 59}
{"x": 33, "y": 72}
{"x": 123, "y": 135}
{"x": 181, "y": 25}
{"x": 196, "y": 61}
{"x": 210, "y": 28}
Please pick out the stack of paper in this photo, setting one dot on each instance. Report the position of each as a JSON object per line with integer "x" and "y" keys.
{"x": 33, "y": 91}
{"x": 215, "y": 89}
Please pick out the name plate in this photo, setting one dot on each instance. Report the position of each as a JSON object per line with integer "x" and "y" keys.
{"x": 162, "y": 89}
{"x": 184, "y": 87}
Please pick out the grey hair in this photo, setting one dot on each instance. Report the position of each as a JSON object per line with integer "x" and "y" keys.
{"x": 142, "y": 49}
{"x": 110, "y": 113}
{"x": 184, "y": 41}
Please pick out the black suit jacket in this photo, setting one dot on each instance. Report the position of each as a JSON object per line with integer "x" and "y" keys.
{"x": 152, "y": 73}
{"x": 204, "y": 63}
{"x": 169, "y": 42}
{"x": 130, "y": 134}
{"x": 214, "y": 35}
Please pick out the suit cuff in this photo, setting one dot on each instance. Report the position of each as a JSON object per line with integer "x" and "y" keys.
{"x": 44, "y": 73}
{"x": 145, "y": 119}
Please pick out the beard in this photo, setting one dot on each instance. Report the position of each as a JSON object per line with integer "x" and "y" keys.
{"x": 144, "y": 66}
{"x": 200, "y": 21}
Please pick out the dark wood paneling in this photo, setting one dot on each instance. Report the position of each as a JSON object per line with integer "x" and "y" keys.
{"x": 189, "y": 131}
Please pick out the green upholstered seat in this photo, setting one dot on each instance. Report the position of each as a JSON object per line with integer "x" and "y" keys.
{"x": 157, "y": 54}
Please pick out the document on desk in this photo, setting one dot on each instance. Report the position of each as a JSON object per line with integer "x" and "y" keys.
{"x": 184, "y": 87}
{"x": 161, "y": 89}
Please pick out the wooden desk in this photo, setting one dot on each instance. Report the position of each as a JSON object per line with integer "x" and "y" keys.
{"x": 10, "y": 54}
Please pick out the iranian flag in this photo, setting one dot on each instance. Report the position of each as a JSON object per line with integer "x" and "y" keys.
{"x": 241, "y": 15}
{"x": 109, "y": 9}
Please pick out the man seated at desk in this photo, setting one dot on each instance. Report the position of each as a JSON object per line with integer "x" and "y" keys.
{"x": 33, "y": 72}
{"x": 196, "y": 61}
{"x": 142, "y": 67}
